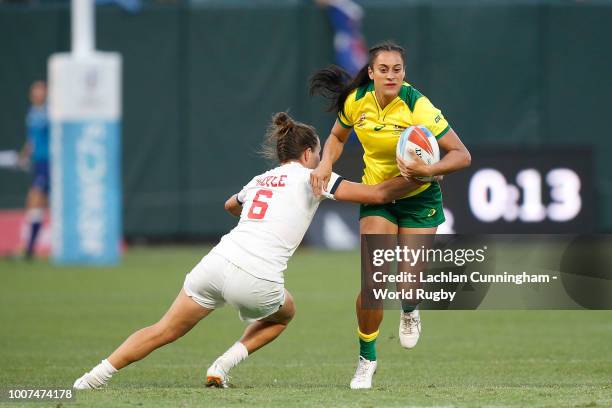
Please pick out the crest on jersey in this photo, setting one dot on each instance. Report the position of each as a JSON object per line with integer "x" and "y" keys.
{"x": 362, "y": 118}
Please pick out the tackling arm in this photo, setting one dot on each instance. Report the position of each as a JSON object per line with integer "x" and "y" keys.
{"x": 233, "y": 206}
{"x": 384, "y": 192}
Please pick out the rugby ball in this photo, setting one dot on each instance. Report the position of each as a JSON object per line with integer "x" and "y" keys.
{"x": 420, "y": 140}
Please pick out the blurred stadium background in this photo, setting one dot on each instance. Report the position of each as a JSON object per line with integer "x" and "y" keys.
{"x": 526, "y": 84}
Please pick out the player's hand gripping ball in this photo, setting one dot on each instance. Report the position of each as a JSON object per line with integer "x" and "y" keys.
{"x": 418, "y": 140}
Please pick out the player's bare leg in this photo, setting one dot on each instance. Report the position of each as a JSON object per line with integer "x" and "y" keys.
{"x": 182, "y": 316}
{"x": 369, "y": 317}
{"x": 263, "y": 331}
{"x": 410, "y": 319}
{"x": 256, "y": 335}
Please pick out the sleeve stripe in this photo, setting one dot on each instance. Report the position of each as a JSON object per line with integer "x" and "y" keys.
{"x": 336, "y": 184}
{"x": 442, "y": 133}
{"x": 344, "y": 125}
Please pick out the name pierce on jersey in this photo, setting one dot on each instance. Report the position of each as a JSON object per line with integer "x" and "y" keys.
{"x": 271, "y": 181}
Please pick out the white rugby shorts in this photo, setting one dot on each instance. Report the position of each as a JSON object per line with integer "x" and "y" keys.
{"x": 216, "y": 281}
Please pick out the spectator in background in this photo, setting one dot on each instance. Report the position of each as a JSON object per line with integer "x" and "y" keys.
{"x": 35, "y": 153}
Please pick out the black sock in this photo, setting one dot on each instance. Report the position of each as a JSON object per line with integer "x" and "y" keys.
{"x": 34, "y": 229}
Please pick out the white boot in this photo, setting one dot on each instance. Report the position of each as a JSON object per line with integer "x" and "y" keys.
{"x": 409, "y": 328}
{"x": 217, "y": 377}
{"x": 363, "y": 375}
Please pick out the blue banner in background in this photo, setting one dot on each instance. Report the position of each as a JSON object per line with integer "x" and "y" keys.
{"x": 351, "y": 51}
{"x": 349, "y": 44}
{"x": 131, "y": 6}
{"x": 87, "y": 192}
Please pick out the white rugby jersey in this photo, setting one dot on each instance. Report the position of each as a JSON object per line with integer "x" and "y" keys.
{"x": 277, "y": 208}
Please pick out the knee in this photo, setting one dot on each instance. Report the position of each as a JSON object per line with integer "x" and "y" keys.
{"x": 290, "y": 315}
{"x": 290, "y": 310}
{"x": 286, "y": 316}
{"x": 286, "y": 312}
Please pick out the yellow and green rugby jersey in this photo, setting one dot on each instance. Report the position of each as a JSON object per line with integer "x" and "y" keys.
{"x": 379, "y": 129}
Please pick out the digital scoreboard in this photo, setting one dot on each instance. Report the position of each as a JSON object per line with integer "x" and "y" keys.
{"x": 522, "y": 191}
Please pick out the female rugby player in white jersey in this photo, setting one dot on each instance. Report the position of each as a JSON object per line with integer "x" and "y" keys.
{"x": 246, "y": 268}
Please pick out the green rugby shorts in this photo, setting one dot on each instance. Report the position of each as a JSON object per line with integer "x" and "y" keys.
{"x": 423, "y": 210}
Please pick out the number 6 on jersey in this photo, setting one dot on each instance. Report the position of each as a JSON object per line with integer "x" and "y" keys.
{"x": 258, "y": 208}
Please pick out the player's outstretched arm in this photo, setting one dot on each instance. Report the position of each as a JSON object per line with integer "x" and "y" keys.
{"x": 233, "y": 206}
{"x": 334, "y": 145}
{"x": 384, "y": 192}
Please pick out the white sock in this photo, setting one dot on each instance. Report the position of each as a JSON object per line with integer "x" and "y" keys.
{"x": 232, "y": 356}
{"x": 103, "y": 371}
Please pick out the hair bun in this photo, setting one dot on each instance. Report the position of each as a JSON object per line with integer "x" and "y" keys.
{"x": 282, "y": 120}
{"x": 286, "y": 139}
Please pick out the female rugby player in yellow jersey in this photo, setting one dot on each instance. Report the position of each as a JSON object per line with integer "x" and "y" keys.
{"x": 377, "y": 104}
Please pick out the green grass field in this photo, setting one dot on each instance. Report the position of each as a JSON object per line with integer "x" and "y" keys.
{"x": 56, "y": 323}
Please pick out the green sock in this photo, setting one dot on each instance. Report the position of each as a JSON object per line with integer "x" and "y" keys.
{"x": 367, "y": 349}
{"x": 408, "y": 308}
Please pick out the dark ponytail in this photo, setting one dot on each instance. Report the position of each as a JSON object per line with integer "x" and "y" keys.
{"x": 335, "y": 84}
{"x": 286, "y": 139}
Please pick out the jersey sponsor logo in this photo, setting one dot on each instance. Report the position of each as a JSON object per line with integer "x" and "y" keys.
{"x": 438, "y": 118}
{"x": 377, "y": 128}
{"x": 431, "y": 212}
